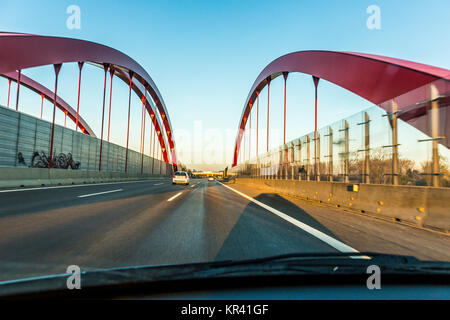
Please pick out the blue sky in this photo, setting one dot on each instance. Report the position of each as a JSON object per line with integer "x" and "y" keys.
{"x": 205, "y": 55}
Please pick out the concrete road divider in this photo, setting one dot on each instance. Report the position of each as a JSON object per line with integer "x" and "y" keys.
{"x": 12, "y": 177}
{"x": 426, "y": 207}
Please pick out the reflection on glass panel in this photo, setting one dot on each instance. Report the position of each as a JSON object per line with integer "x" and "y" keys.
{"x": 402, "y": 141}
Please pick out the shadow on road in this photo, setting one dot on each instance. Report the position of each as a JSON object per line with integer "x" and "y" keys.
{"x": 37, "y": 201}
{"x": 278, "y": 202}
{"x": 260, "y": 233}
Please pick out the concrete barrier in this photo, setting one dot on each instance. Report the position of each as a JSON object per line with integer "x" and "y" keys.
{"x": 12, "y": 177}
{"x": 427, "y": 207}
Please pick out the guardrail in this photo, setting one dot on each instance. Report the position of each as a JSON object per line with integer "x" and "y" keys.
{"x": 426, "y": 207}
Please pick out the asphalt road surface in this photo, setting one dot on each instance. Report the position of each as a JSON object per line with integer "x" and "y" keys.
{"x": 44, "y": 230}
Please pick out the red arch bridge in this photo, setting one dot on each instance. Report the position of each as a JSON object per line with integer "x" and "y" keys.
{"x": 15, "y": 57}
{"x": 271, "y": 208}
{"x": 416, "y": 93}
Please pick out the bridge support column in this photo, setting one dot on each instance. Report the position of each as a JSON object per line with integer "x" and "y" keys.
{"x": 161, "y": 161}
{"x": 128, "y": 126}
{"x": 42, "y": 104}
{"x": 105, "y": 67}
{"x": 18, "y": 90}
{"x": 257, "y": 121}
{"x": 80, "y": 66}
{"x": 243, "y": 150}
{"x": 9, "y": 91}
{"x": 285, "y": 75}
{"x": 111, "y": 75}
{"x": 316, "y": 83}
{"x": 250, "y": 136}
{"x": 268, "y": 100}
{"x": 151, "y": 138}
{"x": 143, "y": 133}
{"x": 57, "y": 68}
{"x": 154, "y": 137}
{"x": 153, "y": 150}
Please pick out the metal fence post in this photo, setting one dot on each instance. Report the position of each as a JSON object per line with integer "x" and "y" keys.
{"x": 270, "y": 166}
{"x": 308, "y": 153}
{"x": 365, "y": 169}
{"x": 265, "y": 169}
{"x": 435, "y": 174}
{"x": 367, "y": 148}
{"x": 62, "y": 139}
{"x": 280, "y": 162}
{"x": 292, "y": 162}
{"x": 330, "y": 154}
{"x": 257, "y": 167}
{"x": 346, "y": 152}
{"x": 285, "y": 161}
{"x": 35, "y": 136}
{"x": 318, "y": 157}
{"x": 394, "y": 144}
{"x": 18, "y": 90}
{"x": 19, "y": 120}
{"x": 299, "y": 157}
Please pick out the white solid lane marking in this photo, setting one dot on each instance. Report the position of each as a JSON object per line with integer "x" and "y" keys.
{"x": 338, "y": 245}
{"x": 98, "y": 193}
{"x": 175, "y": 196}
{"x": 158, "y": 184}
{"x": 74, "y": 186}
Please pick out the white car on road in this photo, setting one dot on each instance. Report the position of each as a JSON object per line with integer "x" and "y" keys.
{"x": 180, "y": 177}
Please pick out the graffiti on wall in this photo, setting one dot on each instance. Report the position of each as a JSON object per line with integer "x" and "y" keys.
{"x": 40, "y": 160}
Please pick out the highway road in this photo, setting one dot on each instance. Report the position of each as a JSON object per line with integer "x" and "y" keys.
{"x": 44, "y": 230}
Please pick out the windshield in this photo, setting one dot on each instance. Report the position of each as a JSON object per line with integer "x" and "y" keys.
{"x": 198, "y": 134}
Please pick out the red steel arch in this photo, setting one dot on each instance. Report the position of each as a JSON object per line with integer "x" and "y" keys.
{"x": 373, "y": 77}
{"x": 15, "y": 55}
{"x": 139, "y": 90}
{"x": 48, "y": 94}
